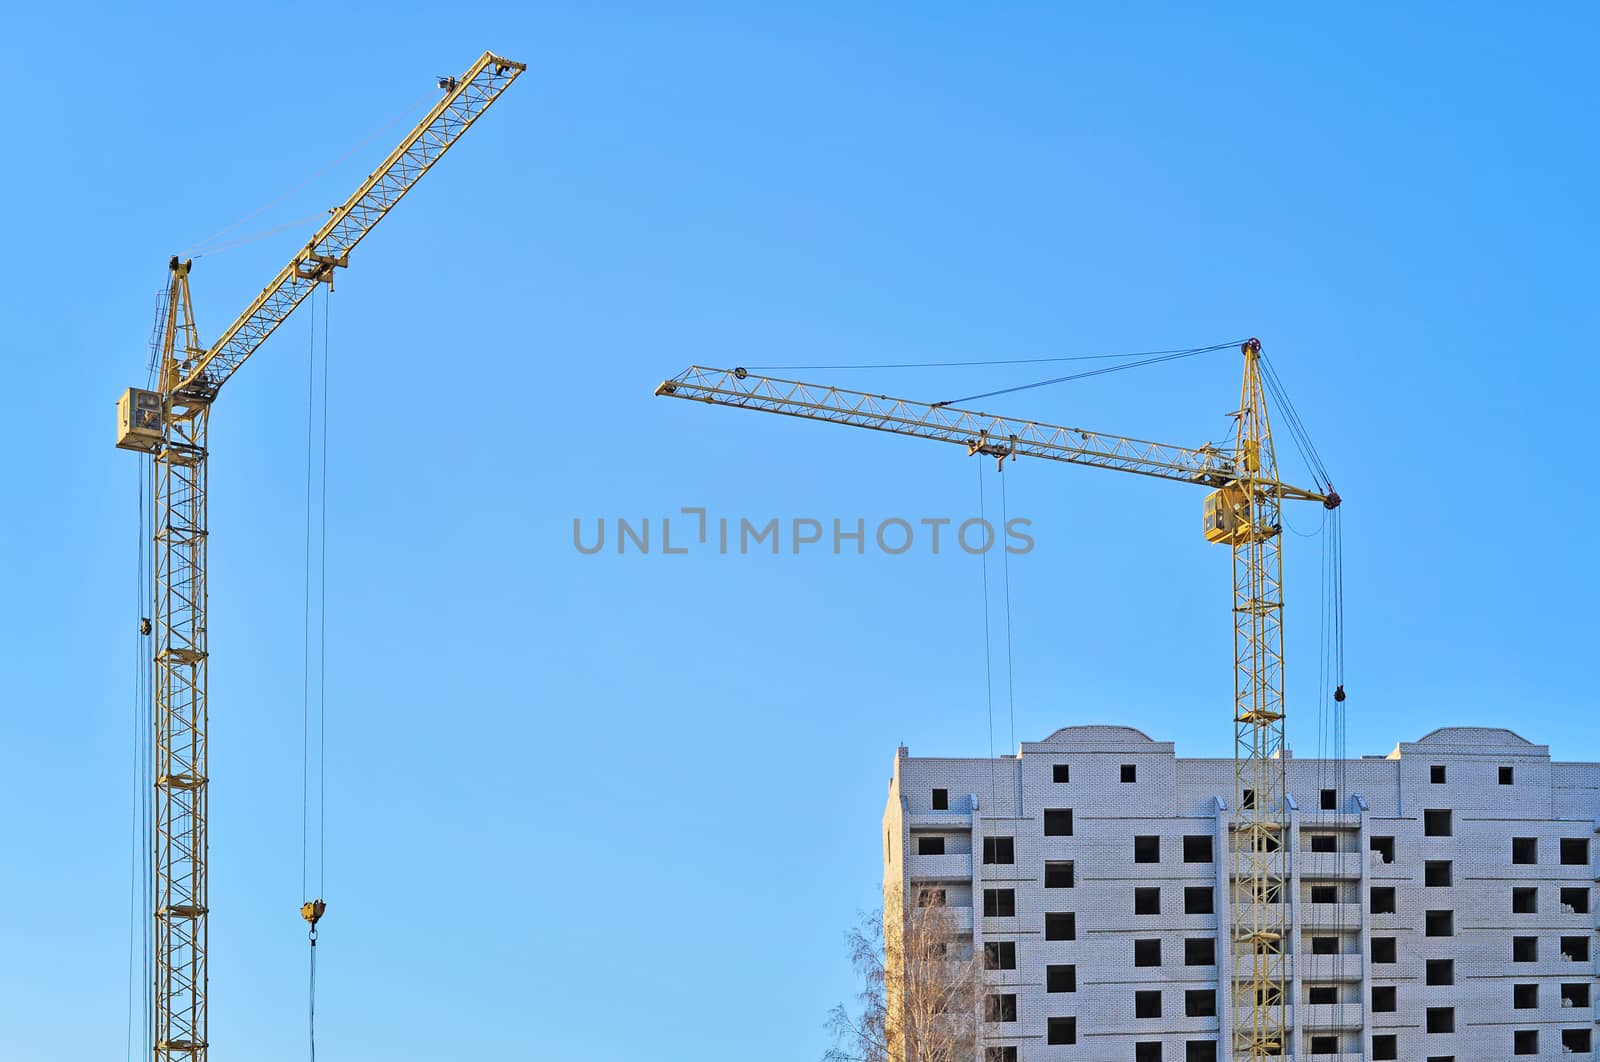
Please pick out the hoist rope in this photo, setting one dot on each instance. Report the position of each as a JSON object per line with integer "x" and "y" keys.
{"x": 199, "y": 247}
{"x": 987, "y": 361}
{"x": 312, "y": 1005}
{"x": 1156, "y": 360}
{"x": 305, "y": 652}
{"x": 1333, "y": 548}
{"x": 988, "y": 655}
{"x": 322, "y": 624}
{"x": 321, "y": 537}
{"x": 138, "y": 864}
{"x": 1005, "y": 562}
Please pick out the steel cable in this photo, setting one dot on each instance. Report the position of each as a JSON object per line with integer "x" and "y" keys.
{"x": 982, "y": 361}
{"x": 1160, "y": 359}
{"x": 200, "y": 245}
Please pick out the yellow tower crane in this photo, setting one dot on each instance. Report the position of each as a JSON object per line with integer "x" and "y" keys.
{"x": 170, "y": 423}
{"x": 1242, "y": 511}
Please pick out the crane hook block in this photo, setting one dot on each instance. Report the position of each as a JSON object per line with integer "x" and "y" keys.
{"x": 312, "y": 912}
{"x": 1338, "y": 694}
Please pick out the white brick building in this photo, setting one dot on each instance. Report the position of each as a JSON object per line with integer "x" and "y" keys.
{"x": 1442, "y": 897}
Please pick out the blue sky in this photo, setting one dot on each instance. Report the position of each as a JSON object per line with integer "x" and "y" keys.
{"x": 623, "y": 807}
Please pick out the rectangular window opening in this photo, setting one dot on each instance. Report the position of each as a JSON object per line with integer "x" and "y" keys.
{"x": 1058, "y": 822}
{"x": 1002, "y": 1007}
{"x": 1147, "y": 1004}
{"x": 1198, "y": 899}
{"x": 1061, "y": 978}
{"x": 1000, "y": 955}
{"x": 999, "y": 850}
{"x": 999, "y": 903}
{"x": 1061, "y": 1031}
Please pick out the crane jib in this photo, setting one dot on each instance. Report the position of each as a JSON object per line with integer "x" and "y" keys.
{"x": 465, "y": 99}
{"x": 994, "y": 436}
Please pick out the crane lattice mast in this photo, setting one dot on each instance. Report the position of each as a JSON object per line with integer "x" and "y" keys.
{"x": 1242, "y": 511}
{"x": 170, "y": 423}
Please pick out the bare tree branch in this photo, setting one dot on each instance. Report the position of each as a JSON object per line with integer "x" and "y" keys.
{"x": 923, "y": 987}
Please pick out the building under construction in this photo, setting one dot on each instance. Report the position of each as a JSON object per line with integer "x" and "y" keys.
{"x": 1439, "y": 901}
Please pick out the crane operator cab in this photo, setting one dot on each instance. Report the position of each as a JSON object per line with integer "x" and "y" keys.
{"x": 139, "y": 420}
{"x": 1227, "y": 515}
